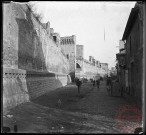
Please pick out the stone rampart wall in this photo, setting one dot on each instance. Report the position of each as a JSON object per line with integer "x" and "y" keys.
{"x": 32, "y": 63}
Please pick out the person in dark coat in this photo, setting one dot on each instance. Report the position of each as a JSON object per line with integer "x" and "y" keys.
{"x": 78, "y": 83}
{"x": 93, "y": 82}
{"x": 98, "y": 83}
{"x": 108, "y": 81}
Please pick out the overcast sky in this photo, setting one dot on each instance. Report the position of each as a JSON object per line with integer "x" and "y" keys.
{"x": 87, "y": 20}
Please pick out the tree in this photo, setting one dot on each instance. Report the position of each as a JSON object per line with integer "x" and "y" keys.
{"x": 33, "y": 9}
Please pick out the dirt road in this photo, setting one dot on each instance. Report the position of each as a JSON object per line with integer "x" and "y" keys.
{"x": 65, "y": 111}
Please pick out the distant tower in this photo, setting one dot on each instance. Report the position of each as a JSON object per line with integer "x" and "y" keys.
{"x": 68, "y": 46}
{"x": 80, "y": 57}
{"x": 79, "y": 52}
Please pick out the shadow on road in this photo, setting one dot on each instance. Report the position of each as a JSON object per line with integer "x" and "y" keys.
{"x": 65, "y": 98}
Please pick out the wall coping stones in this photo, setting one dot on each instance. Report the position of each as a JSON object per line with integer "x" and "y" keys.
{"x": 13, "y": 73}
{"x": 10, "y": 73}
{"x": 43, "y": 74}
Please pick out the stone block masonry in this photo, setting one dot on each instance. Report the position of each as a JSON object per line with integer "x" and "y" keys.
{"x": 39, "y": 83}
{"x": 21, "y": 86}
{"x": 33, "y": 63}
{"x": 15, "y": 89}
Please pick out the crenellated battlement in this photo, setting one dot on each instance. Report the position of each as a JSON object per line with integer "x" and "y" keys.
{"x": 68, "y": 40}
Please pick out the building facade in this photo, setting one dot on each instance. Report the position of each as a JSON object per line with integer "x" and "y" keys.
{"x": 131, "y": 56}
{"x": 121, "y": 66}
{"x": 104, "y": 66}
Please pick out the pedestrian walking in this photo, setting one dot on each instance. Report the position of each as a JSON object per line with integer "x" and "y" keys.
{"x": 98, "y": 83}
{"x": 109, "y": 84}
{"x": 78, "y": 83}
{"x": 93, "y": 82}
{"x": 59, "y": 102}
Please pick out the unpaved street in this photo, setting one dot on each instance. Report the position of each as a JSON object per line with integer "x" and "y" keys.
{"x": 66, "y": 111}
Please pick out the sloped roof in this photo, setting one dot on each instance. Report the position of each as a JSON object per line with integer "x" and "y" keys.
{"x": 131, "y": 20}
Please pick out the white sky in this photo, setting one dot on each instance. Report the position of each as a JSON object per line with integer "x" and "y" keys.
{"x": 87, "y": 21}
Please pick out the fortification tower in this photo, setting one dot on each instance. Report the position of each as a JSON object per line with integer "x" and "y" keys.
{"x": 79, "y": 60}
{"x": 80, "y": 51}
{"x": 68, "y": 46}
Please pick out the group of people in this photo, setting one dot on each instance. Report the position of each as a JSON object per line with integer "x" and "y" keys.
{"x": 78, "y": 82}
{"x": 97, "y": 83}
